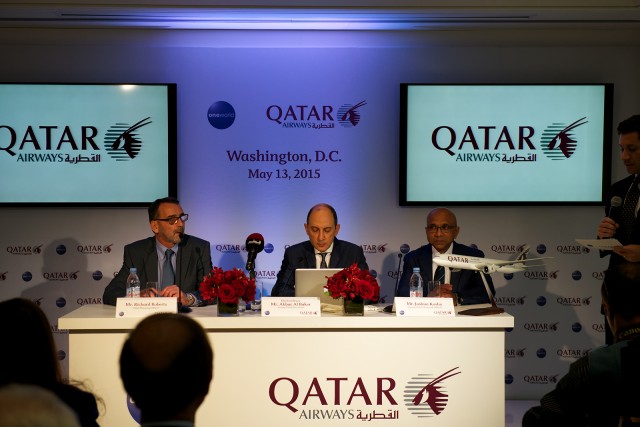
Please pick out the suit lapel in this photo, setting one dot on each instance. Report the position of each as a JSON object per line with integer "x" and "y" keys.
{"x": 334, "y": 261}
{"x": 150, "y": 273}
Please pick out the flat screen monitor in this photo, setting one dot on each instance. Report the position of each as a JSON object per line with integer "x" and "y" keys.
{"x": 87, "y": 144}
{"x": 504, "y": 144}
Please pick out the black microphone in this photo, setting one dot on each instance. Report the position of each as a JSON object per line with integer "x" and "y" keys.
{"x": 254, "y": 245}
{"x": 616, "y": 202}
{"x": 389, "y": 308}
{"x": 395, "y": 292}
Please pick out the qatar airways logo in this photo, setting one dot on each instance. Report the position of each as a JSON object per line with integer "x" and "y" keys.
{"x": 24, "y": 250}
{"x": 542, "y": 327}
{"x": 123, "y": 142}
{"x": 315, "y": 117}
{"x": 365, "y": 399}
{"x": 574, "y": 301}
{"x": 229, "y": 248}
{"x": 572, "y": 249}
{"x": 507, "y": 249}
{"x": 572, "y": 353}
{"x": 60, "y": 276}
{"x": 514, "y": 353}
{"x": 541, "y": 275}
{"x": 266, "y": 274}
{"x": 71, "y": 144}
{"x": 506, "y": 143}
{"x": 94, "y": 249}
{"x": 510, "y": 301}
{"x": 374, "y": 249}
{"x": 541, "y": 379}
{"x": 559, "y": 141}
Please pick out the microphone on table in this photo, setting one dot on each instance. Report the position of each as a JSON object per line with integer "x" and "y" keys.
{"x": 616, "y": 202}
{"x": 254, "y": 245}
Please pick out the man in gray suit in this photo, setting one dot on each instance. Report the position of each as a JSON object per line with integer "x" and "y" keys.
{"x": 177, "y": 261}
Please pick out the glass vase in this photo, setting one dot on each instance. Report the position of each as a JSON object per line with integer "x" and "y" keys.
{"x": 353, "y": 308}
{"x": 226, "y": 309}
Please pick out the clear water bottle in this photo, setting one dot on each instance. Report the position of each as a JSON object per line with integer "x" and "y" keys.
{"x": 415, "y": 284}
{"x": 133, "y": 283}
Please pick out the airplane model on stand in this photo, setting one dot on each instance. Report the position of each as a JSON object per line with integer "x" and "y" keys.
{"x": 487, "y": 266}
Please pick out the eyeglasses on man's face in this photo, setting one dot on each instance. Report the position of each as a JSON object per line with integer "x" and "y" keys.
{"x": 173, "y": 219}
{"x": 445, "y": 228}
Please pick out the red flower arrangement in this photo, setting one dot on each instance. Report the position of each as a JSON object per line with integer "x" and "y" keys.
{"x": 353, "y": 284}
{"x": 227, "y": 286}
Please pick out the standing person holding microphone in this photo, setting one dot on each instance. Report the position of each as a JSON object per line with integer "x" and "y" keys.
{"x": 621, "y": 222}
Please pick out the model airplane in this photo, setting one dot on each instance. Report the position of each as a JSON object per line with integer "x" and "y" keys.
{"x": 487, "y": 265}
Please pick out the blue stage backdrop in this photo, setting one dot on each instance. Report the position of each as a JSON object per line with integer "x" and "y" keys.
{"x": 265, "y": 132}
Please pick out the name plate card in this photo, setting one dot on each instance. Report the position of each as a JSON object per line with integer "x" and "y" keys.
{"x": 291, "y": 306}
{"x": 142, "y": 307}
{"x": 440, "y": 307}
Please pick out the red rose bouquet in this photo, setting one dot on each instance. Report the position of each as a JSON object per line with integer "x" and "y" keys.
{"x": 353, "y": 284}
{"x": 227, "y": 286}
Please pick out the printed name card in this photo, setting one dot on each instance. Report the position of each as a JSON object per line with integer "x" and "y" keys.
{"x": 441, "y": 307}
{"x": 142, "y": 307}
{"x": 291, "y": 306}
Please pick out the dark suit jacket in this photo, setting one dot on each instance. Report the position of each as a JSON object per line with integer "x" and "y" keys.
{"x": 466, "y": 283}
{"x": 192, "y": 264}
{"x": 302, "y": 255}
{"x": 620, "y": 189}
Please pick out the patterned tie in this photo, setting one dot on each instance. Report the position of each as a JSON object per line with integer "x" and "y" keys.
{"x": 439, "y": 276}
{"x": 629, "y": 207}
{"x": 168, "y": 275}
{"x": 323, "y": 263}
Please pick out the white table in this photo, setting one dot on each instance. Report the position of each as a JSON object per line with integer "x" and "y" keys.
{"x": 276, "y": 371}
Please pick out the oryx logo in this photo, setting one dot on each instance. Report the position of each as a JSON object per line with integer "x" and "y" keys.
{"x": 558, "y": 141}
{"x": 426, "y": 396}
{"x": 122, "y": 141}
{"x": 348, "y": 115}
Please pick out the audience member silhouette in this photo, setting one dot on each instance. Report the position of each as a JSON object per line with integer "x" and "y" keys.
{"x": 166, "y": 366}
{"x": 25, "y": 405}
{"x": 30, "y": 357}
{"x": 601, "y": 388}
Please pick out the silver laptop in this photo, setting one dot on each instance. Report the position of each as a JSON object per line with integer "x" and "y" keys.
{"x": 310, "y": 283}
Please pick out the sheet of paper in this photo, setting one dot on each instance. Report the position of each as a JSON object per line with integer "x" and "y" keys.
{"x": 600, "y": 244}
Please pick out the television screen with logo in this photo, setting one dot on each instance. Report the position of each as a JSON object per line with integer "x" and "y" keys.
{"x": 87, "y": 144}
{"x": 515, "y": 144}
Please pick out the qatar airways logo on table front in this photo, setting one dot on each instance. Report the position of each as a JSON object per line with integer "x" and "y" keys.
{"x": 365, "y": 399}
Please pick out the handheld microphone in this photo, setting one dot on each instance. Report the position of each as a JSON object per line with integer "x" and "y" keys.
{"x": 254, "y": 245}
{"x": 616, "y": 202}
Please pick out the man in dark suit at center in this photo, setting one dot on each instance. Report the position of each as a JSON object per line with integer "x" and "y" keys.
{"x": 442, "y": 229}
{"x": 322, "y": 250}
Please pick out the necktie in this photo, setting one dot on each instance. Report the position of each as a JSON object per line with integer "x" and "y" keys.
{"x": 323, "y": 263}
{"x": 168, "y": 276}
{"x": 629, "y": 207}
{"x": 439, "y": 275}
